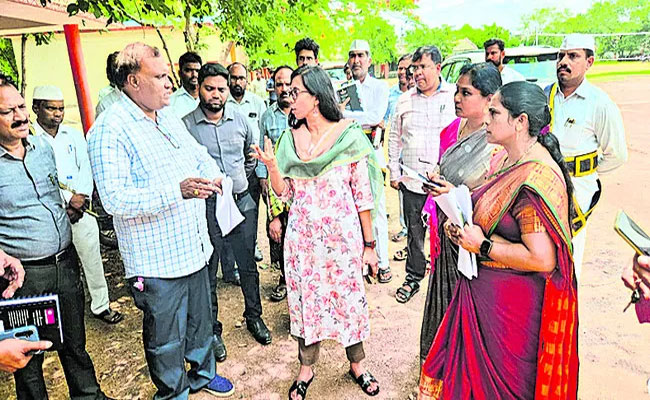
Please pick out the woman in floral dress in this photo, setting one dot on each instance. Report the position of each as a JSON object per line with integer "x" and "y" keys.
{"x": 326, "y": 167}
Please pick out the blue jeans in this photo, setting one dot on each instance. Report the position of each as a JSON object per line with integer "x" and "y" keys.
{"x": 177, "y": 327}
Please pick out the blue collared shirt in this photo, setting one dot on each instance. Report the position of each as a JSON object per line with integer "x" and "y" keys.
{"x": 274, "y": 121}
{"x": 33, "y": 221}
{"x": 138, "y": 165}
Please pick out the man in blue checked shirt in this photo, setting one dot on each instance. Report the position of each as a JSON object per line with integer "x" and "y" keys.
{"x": 153, "y": 177}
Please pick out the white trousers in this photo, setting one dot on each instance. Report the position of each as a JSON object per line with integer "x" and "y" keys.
{"x": 579, "y": 242}
{"x": 380, "y": 227}
{"x": 85, "y": 237}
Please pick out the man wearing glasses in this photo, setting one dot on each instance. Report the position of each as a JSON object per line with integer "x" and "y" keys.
{"x": 420, "y": 115}
{"x": 373, "y": 96}
{"x": 251, "y": 106}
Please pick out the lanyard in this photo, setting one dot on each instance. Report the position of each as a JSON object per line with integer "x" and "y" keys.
{"x": 551, "y": 102}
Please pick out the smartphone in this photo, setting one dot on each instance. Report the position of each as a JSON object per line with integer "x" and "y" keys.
{"x": 632, "y": 234}
{"x": 28, "y": 333}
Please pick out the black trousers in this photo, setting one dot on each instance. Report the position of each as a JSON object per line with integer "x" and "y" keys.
{"x": 61, "y": 278}
{"x": 242, "y": 241}
{"x": 416, "y": 261}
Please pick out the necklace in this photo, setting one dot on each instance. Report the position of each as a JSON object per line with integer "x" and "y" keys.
{"x": 464, "y": 130}
{"x": 505, "y": 159}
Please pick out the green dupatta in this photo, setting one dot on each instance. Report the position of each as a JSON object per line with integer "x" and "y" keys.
{"x": 351, "y": 146}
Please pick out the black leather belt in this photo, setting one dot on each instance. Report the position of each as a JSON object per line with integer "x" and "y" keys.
{"x": 239, "y": 196}
{"x": 53, "y": 259}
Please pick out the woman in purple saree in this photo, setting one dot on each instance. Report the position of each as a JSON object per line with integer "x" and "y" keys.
{"x": 511, "y": 333}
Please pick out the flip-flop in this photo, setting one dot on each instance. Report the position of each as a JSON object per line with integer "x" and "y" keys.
{"x": 110, "y": 316}
{"x": 301, "y": 387}
{"x": 364, "y": 381}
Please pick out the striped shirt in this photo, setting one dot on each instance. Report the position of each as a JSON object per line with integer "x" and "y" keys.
{"x": 415, "y": 131}
{"x": 138, "y": 165}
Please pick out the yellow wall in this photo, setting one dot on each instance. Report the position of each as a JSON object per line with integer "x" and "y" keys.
{"x": 49, "y": 64}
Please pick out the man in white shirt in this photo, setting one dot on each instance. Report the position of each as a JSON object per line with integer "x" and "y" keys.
{"x": 420, "y": 115}
{"x": 258, "y": 86}
{"x": 589, "y": 127}
{"x": 495, "y": 52}
{"x": 373, "y": 95}
{"x": 75, "y": 177}
{"x": 251, "y": 106}
{"x": 186, "y": 98}
{"x": 109, "y": 94}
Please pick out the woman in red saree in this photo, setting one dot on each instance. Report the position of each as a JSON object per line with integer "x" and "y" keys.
{"x": 511, "y": 333}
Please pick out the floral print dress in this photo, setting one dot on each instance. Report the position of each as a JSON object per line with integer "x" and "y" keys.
{"x": 323, "y": 255}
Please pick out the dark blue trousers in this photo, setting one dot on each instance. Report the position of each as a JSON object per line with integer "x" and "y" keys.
{"x": 177, "y": 327}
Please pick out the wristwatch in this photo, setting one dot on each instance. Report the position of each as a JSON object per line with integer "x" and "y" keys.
{"x": 371, "y": 245}
{"x": 486, "y": 247}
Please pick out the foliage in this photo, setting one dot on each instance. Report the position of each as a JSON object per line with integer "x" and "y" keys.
{"x": 8, "y": 64}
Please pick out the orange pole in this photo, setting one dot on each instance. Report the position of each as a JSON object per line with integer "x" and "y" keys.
{"x": 76, "y": 56}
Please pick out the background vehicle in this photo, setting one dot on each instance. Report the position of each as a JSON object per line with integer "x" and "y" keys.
{"x": 536, "y": 63}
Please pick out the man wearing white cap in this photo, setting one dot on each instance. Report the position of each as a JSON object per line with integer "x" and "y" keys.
{"x": 373, "y": 96}
{"x": 76, "y": 181}
{"x": 589, "y": 127}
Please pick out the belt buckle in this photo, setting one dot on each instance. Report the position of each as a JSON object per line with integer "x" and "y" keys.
{"x": 58, "y": 256}
{"x": 578, "y": 163}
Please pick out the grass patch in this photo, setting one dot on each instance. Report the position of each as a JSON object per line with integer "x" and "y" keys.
{"x": 614, "y": 70}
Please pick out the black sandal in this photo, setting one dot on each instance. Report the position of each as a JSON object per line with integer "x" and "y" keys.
{"x": 110, "y": 316}
{"x": 301, "y": 387}
{"x": 384, "y": 275}
{"x": 279, "y": 293}
{"x": 364, "y": 381}
{"x": 402, "y": 295}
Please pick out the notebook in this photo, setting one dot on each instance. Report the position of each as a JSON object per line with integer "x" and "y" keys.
{"x": 41, "y": 311}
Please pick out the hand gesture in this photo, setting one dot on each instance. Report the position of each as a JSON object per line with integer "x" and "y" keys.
{"x": 266, "y": 156}
{"x": 11, "y": 270}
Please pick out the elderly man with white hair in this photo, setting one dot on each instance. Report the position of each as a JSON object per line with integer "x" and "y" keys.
{"x": 589, "y": 128}
{"x": 76, "y": 181}
{"x": 153, "y": 177}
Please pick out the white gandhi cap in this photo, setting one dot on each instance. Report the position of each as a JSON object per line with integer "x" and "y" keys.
{"x": 360, "y": 45}
{"x": 578, "y": 41}
{"x": 47, "y": 92}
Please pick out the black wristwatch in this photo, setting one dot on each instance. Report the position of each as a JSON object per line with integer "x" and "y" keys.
{"x": 486, "y": 247}
{"x": 370, "y": 245}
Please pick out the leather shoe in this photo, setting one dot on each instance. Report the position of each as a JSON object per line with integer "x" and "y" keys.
{"x": 219, "y": 348}
{"x": 259, "y": 330}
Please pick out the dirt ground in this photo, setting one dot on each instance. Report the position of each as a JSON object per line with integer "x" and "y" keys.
{"x": 613, "y": 346}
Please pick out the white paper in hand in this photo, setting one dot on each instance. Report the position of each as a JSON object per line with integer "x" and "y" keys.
{"x": 227, "y": 213}
{"x": 457, "y": 206}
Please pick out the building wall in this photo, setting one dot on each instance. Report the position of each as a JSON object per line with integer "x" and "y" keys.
{"x": 49, "y": 64}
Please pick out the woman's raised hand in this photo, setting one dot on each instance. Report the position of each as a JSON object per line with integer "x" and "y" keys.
{"x": 266, "y": 156}
{"x": 439, "y": 185}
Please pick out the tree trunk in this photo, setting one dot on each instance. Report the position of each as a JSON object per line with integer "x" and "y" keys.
{"x": 187, "y": 31}
{"x": 23, "y": 80}
{"x": 171, "y": 63}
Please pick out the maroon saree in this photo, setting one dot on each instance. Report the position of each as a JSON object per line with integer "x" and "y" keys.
{"x": 510, "y": 334}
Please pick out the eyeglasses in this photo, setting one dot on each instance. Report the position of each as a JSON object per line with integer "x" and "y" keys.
{"x": 414, "y": 68}
{"x": 295, "y": 92}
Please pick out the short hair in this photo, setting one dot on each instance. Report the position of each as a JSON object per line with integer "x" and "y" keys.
{"x": 589, "y": 53}
{"x": 318, "y": 84}
{"x": 432, "y": 51}
{"x": 111, "y": 66}
{"x": 279, "y": 68}
{"x": 484, "y": 76}
{"x": 129, "y": 60}
{"x": 189, "y": 57}
{"x": 492, "y": 42}
{"x": 405, "y": 57}
{"x": 306, "y": 44}
{"x": 236, "y": 63}
{"x": 6, "y": 80}
{"x": 212, "y": 69}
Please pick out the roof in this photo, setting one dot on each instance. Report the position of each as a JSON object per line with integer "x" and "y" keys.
{"x": 28, "y": 16}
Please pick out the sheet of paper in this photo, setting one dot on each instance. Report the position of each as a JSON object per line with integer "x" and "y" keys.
{"x": 457, "y": 206}
{"x": 227, "y": 212}
{"x": 413, "y": 174}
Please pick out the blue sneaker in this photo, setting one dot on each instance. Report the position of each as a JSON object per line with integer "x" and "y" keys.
{"x": 220, "y": 387}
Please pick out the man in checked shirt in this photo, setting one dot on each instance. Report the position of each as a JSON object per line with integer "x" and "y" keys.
{"x": 414, "y": 140}
{"x": 153, "y": 177}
